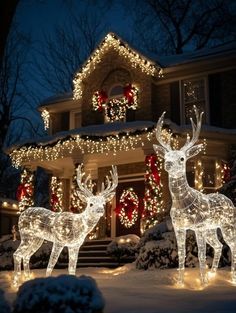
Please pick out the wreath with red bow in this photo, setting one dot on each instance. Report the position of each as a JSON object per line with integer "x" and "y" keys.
{"x": 127, "y": 210}
{"x": 115, "y": 109}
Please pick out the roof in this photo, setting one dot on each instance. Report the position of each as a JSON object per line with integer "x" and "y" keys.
{"x": 102, "y": 130}
{"x": 112, "y": 41}
{"x": 117, "y": 128}
{"x": 225, "y": 49}
{"x": 57, "y": 98}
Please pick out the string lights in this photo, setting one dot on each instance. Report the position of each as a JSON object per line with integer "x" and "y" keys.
{"x": 191, "y": 209}
{"x": 61, "y": 228}
{"x": 115, "y": 108}
{"x": 46, "y": 118}
{"x": 198, "y": 174}
{"x": 127, "y": 209}
{"x": 153, "y": 204}
{"x": 112, "y": 42}
{"x": 104, "y": 145}
{"x": 56, "y": 194}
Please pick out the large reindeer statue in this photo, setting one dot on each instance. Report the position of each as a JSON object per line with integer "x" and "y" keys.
{"x": 191, "y": 209}
{"x": 63, "y": 229}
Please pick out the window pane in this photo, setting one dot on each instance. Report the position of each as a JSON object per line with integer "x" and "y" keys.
{"x": 116, "y": 91}
{"x": 194, "y": 90}
{"x": 193, "y": 94}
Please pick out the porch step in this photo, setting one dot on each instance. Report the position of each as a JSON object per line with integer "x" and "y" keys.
{"x": 93, "y": 253}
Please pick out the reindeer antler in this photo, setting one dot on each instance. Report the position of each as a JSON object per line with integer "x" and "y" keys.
{"x": 196, "y": 130}
{"x": 165, "y": 145}
{"x": 83, "y": 186}
{"x": 111, "y": 184}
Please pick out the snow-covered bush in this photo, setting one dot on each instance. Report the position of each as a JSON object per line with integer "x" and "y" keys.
{"x": 158, "y": 249}
{"x": 4, "y": 306}
{"x": 62, "y": 294}
{"x": 123, "y": 246}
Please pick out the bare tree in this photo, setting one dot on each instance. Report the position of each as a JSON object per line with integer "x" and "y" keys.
{"x": 66, "y": 48}
{"x": 174, "y": 26}
{"x": 18, "y": 118}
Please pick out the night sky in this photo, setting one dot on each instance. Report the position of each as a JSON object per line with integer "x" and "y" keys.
{"x": 39, "y": 17}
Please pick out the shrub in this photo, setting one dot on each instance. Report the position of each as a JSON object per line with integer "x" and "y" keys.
{"x": 158, "y": 249}
{"x": 123, "y": 247}
{"x": 62, "y": 294}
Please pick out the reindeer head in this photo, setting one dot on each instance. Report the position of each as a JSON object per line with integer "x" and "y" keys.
{"x": 175, "y": 160}
{"x": 96, "y": 203}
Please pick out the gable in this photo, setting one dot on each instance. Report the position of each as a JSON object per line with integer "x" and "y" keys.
{"x": 111, "y": 41}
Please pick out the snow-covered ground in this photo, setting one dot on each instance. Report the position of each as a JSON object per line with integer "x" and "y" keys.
{"x": 128, "y": 290}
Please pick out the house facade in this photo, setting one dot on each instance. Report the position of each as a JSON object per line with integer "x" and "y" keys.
{"x": 110, "y": 118}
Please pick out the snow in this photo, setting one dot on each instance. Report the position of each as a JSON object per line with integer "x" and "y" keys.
{"x": 225, "y": 49}
{"x": 102, "y": 130}
{"x": 128, "y": 290}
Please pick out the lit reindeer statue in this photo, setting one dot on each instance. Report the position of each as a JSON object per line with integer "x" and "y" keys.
{"x": 63, "y": 229}
{"x": 191, "y": 209}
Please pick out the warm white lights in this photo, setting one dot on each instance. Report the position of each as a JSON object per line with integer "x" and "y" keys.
{"x": 108, "y": 145}
{"x": 128, "y": 208}
{"x": 111, "y": 42}
{"x": 63, "y": 229}
{"x": 46, "y": 118}
{"x": 194, "y": 210}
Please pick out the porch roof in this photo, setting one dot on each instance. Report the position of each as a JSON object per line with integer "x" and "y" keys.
{"x": 92, "y": 132}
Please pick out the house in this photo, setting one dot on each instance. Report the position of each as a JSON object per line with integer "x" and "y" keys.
{"x": 119, "y": 94}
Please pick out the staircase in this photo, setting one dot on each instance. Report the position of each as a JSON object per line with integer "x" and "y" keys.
{"x": 93, "y": 253}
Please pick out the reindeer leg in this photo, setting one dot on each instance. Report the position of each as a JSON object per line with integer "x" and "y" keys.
{"x": 233, "y": 262}
{"x": 201, "y": 242}
{"x": 34, "y": 246}
{"x": 213, "y": 241}
{"x": 56, "y": 251}
{"x": 181, "y": 238}
{"x": 18, "y": 255}
{"x": 73, "y": 257}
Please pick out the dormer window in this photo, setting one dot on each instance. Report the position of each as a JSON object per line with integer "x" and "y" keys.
{"x": 116, "y": 91}
{"x": 116, "y": 103}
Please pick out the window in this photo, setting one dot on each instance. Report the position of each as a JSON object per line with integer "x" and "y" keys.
{"x": 116, "y": 91}
{"x": 194, "y": 93}
{"x": 59, "y": 122}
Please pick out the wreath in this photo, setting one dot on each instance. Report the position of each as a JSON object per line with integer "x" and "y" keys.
{"x": 127, "y": 209}
{"x": 115, "y": 109}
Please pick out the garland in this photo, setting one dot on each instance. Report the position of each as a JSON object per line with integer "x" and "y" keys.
{"x": 115, "y": 109}
{"x": 153, "y": 204}
{"x": 127, "y": 209}
{"x": 25, "y": 191}
{"x": 56, "y": 195}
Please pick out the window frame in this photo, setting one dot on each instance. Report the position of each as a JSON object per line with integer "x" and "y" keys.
{"x": 72, "y": 118}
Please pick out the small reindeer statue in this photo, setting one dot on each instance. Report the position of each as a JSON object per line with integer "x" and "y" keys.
{"x": 63, "y": 229}
{"x": 191, "y": 209}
